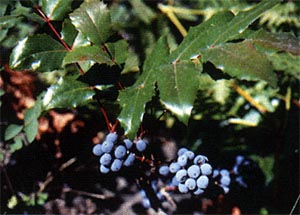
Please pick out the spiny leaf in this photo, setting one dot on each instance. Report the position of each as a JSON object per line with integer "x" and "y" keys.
{"x": 241, "y": 60}
{"x": 220, "y": 28}
{"x": 92, "y": 19}
{"x": 118, "y": 50}
{"x": 276, "y": 41}
{"x": 11, "y": 131}
{"x": 286, "y": 62}
{"x": 142, "y": 11}
{"x": 67, "y": 93}
{"x": 68, "y": 32}
{"x": 178, "y": 84}
{"x": 133, "y": 99}
{"x": 39, "y": 52}
{"x": 56, "y": 9}
{"x": 87, "y": 53}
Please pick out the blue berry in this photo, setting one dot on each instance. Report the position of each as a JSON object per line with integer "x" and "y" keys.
{"x": 224, "y": 172}
{"x": 105, "y": 159}
{"x": 107, "y": 146}
{"x": 164, "y": 170}
{"x": 174, "y": 182}
{"x": 182, "y": 160}
{"x": 215, "y": 173}
{"x": 193, "y": 171}
{"x": 198, "y": 191}
{"x": 174, "y": 167}
{"x": 225, "y": 180}
{"x": 200, "y": 159}
{"x": 97, "y": 150}
{"x": 116, "y": 165}
{"x": 202, "y": 182}
{"x": 190, "y": 154}
{"x": 104, "y": 169}
{"x": 181, "y": 151}
{"x": 206, "y": 169}
{"x": 120, "y": 152}
{"x": 190, "y": 183}
{"x": 146, "y": 203}
{"x": 181, "y": 175}
{"x": 183, "y": 188}
{"x": 141, "y": 145}
{"x": 128, "y": 143}
{"x": 129, "y": 160}
{"x": 111, "y": 137}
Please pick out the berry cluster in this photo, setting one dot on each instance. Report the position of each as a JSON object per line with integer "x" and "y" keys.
{"x": 222, "y": 178}
{"x": 114, "y": 155}
{"x": 190, "y": 173}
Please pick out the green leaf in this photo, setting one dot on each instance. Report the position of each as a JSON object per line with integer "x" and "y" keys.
{"x": 87, "y": 53}
{"x": 67, "y": 93}
{"x": 142, "y": 11}
{"x": 92, "y": 19}
{"x": 68, "y": 32}
{"x": 286, "y": 62}
{"x": 39, "y": 52}
{"x": 241, "y": 60}
{"x": 17, "y": 145}
{"x": 118, "y": 50}
{"x": 56, "y": 9}
{"x": 133, "y": 99}
{"x": 11, "y": 131}
{"x": 276, "y": 41}
{"x": 131, "y": 63}
{"x": 178, "y": 84}
{"x": 220, "y": 28}
{"x": 201, "y": 36}
{"x": 31, "y": 130}
{"x": 33, "y": 113}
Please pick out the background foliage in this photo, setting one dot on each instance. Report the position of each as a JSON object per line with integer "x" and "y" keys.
{"x": 219, "y": 77}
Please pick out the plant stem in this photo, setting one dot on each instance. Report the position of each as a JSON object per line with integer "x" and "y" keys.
{"x": 249, "y": 98}
{"x": 66, "y": 46}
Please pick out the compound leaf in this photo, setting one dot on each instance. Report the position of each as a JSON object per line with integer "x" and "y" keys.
{"x": 39, "y": 52}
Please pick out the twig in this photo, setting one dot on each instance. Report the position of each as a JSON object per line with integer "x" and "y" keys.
{"x": 249, "y": 98}
{"x": 165, "y": 9}
{"x": 295, "y": 205}
{"x": 93, "y": 195}
{"x": 50, "y": 176}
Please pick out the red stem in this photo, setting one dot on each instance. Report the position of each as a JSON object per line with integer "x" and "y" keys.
{"x": 109, "y": 127}
{"x": 66, "y": 46}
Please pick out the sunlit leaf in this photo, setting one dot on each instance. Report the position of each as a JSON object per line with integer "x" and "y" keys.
{"x": 87, "y": 53}
{"x": 67, "y": 93}
{"x": 39, "y": 53}
{"x": 92, "y": 19}
{"x": 56, "y": 9}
